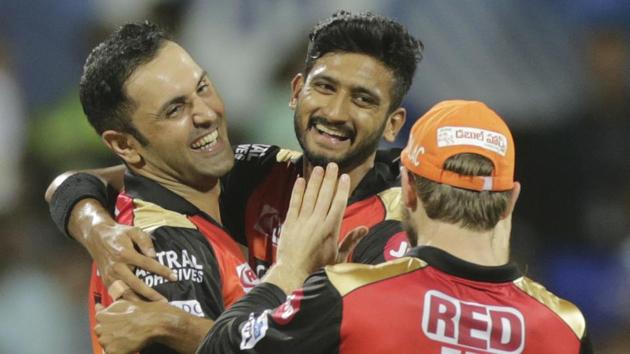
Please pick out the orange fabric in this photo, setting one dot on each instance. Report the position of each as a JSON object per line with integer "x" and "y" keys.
{"x": 455, "y": 127}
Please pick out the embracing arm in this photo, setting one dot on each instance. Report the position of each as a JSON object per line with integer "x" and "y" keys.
{"x": 77, "y": 207}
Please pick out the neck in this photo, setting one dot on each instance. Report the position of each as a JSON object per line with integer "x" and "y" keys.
{"x": 488, "y": 248}
{"x": 356, "y": 173}
{"x": 205, "y": 197}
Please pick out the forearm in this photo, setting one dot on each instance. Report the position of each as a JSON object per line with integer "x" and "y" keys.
{"x": 86, "y": 215}
{"x": 182, "y": 331}
{"x": 285, "y": 277}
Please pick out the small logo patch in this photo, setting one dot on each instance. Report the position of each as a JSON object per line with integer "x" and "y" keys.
{"x": 254, "y": 330}
{"x": 247, "y": 277}
{"x": 285, "y": 312}
{"x": 396, "y": 247}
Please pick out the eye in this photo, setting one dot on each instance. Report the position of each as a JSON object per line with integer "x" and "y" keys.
{"x": 203, "y": 88}
{"x": 324, "y": 86}
{"x": 174, "y": 110}
{"x": 365, "y": 100}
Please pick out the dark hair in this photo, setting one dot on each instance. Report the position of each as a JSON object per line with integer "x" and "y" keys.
{"x": 376, "y": 36}
{"x": 107, "y": 68}
{"x": 478, "y": 211}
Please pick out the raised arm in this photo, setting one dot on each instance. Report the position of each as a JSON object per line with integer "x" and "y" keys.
{"x": 77, "y": 206}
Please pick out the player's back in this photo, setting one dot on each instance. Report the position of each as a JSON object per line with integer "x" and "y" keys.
{"x": 433, "y": 302}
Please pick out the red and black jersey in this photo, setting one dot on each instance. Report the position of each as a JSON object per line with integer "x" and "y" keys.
{"x": 430, "y": 302}
{"x": 256, "y": 195}
{"x": 211, "y": 269}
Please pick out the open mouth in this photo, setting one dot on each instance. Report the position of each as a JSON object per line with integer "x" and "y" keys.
{"x": 206, "y": 142}
{"x": 333, "y": 133}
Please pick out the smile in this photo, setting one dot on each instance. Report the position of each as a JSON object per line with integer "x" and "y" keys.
{"x": 207, "y": 142}
{"x": 331, "y": 132}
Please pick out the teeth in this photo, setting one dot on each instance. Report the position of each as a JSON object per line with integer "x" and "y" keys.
{"x": 207, "y": 141}
{"x": 328, "y": 131}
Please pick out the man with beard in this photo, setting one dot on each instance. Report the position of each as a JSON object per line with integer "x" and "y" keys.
{"x": 358, "y": 69}
{"x": 455, "y": 293}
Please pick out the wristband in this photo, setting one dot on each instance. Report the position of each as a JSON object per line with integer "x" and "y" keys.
{"x": 75, "y": 188}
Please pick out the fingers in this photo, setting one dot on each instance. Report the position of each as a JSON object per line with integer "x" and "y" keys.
{"x": 144, "y": 242}
{"x": 134, "y": 286}
{"x": 327, "y": 189}
{"x": 151, "y": 265}
{"x": 312, "y": 191}
{"x": 117, "y": 289}
{"x": 349, "y": 242}
{"x": 296, "y": 199}
{"x": 339, "y": 203}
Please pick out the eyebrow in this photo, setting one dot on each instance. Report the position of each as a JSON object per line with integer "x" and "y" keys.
{"x": 182, "y": 98}
{"x": 353, "y": 89}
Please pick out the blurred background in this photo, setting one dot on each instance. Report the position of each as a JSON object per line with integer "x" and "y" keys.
{"x": 557, "y": 70}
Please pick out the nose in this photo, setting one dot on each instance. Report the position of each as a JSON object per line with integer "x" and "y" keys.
{"x": 335, "y": 109}
{"x": 203, "y": 113}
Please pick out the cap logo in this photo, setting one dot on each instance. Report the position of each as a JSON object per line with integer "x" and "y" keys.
{"x": 414, "y": 151}
{"x": 485, "y": 139}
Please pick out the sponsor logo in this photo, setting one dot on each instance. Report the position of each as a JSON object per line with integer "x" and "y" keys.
{"x": 254, "y": 330}
{"x": 193, "y": 307}
{"x": 414, "y": 151}
{"x": 396, "y": 247}
{"x": 285, "y": 312}
{"x": 485, "y": 139}
{"x": 261, "y": 267}
{"x": 247, "y": 152}
{"x": 247, "y": 277}
{"x": 269, "y": 223}
{"x": 185, "y": 265}
{"x": 491, "y": 329}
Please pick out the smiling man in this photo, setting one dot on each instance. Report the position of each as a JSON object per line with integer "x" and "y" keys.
{"x": 358, "y": 69}
{"x": 136, "y": 86}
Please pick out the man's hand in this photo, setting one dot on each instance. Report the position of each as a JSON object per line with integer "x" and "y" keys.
{"x": 116, "y": 249}
{"x": 128, "y": 326}
{"x": 308, "y": 240}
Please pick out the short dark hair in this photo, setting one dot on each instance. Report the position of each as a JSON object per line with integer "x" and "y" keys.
{"x": 373, "y": 35}
{"x": 107, "y": 68}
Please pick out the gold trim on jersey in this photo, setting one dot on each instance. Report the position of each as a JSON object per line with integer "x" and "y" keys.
{"x": 286, "y": 155}
{"x": 569, "y": 313}
{"x": 391, "y": 198}
{"x": 149, "y": 216}
{"x": 346, "y": 277}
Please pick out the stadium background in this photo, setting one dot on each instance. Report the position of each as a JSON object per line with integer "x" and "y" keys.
{"x": 557, "y": 70}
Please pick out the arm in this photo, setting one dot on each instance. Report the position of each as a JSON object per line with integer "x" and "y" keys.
{"x": 128, "y": 326}
{"x": 112, "y": 246}
{"x": 308, "y": 241}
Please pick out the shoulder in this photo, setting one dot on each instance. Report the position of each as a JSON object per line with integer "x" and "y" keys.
{"x": 347, "y": 277}
{"x": 564, "y": 309}
{"x": 149, "y": 217}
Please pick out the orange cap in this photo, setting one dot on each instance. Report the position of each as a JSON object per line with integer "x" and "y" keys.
{"x": 456, "y": 127}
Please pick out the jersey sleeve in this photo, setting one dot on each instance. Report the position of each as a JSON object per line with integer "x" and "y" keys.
{"x": 266, "y": 321}
{"x": 385, "y": 241}
{"x": 252, "y": 162}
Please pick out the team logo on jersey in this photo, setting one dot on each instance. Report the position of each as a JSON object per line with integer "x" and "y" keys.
{"x": 248, "y": 152}
{"x": 285, "y": 312}
{"x": 396, "y": 247}
{"x": 193, "y": 307}
{"x": 247, "y": 277}
{"x": 254, "y": 330}
{"x": 469, "y": 326}
{"x": 269, "y": 223}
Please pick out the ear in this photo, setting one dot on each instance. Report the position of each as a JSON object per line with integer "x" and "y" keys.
{"x": 395, "y": 122}
{"x": 516, "y": 191}
{"x": 296, "y": 87}
{"x": 123, "y": 145}
{"x": 410, "y": 197}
